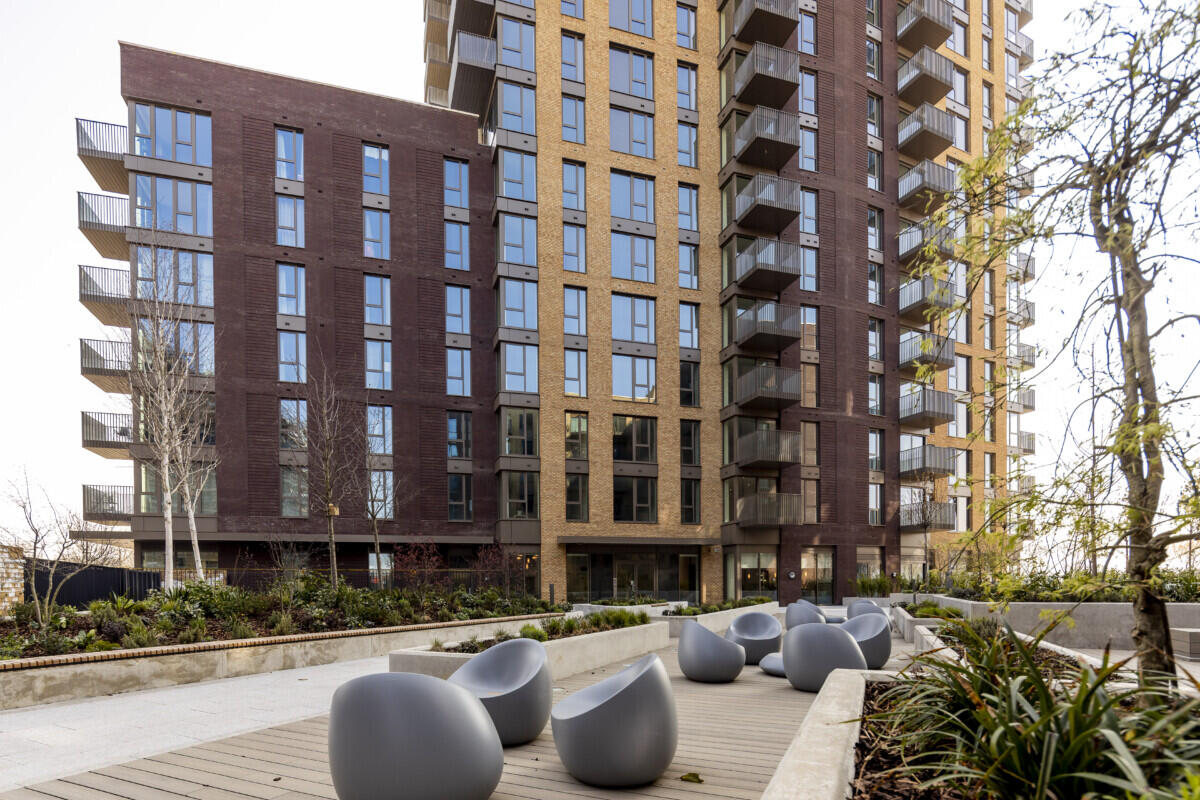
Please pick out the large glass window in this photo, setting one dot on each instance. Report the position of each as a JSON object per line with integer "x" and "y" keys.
{"x": 689, "y": 501}
{"x": 632, "y": 257}
{"x": 293, "y": 424}
{"x": 874, "y": 59}
{"x": 575, "y": 373}
{"x": 375, "y": 168}
{"x": 631, "y": 132}
{"x": 685, "y": 26}
{"x": 633, "y": 378}
{"x": 574, "y": 248}
{"x": 689, "y": 266}
{"x": 458, "y": 309}
{"x": 377, "y": 233}
{"x": 518, "y": 239}
{"x": 519, "y": 363}
{"x": 573, "y": 8}
{"x": 808, "y": 92}
{"x": 518, "y": 176}
{"x": 518, "y": 304}
{"x": 689, "y": 384}
{"x": 572, "y": 57}
{"x": 689, "y": 207}
{"x": 458, "y": 434}
{"x": 379, "y": 365}
{"x": 167, "y": 204}
{"x": 176, "y": 276}
{"x": 377, "y": 300}
{"x": 577, "y": 497}
{"x": 458, "y": 491}
{"x": 634, "y": 16}
{"x": 875, "y": 228}
{"x": 381, "y": 494}
{"x": 293, "y": 357}
{"x": 172, "y": 135}
{"x": 807, "y": 38}
{"x": 519, "y": 495}
{"x": 289, "y": 220}
{"x": 379, "y": 430}
{"x": 516, "y": 43}
{"x": 630, "y": 72}
{"x": 689, "y": 325}
{"x": 455, "y": 183}
{"x": 685, "y": 86}
{"x": 635, "y": 439}
{"x": 689, "y": 442}
{"x": 574, "y": 184}
{"x": 874, "y": 394}
{"x": 457, "y": 247}
{"x": 577, "y": 434}
{"x": 633, "y": 318}
{"x": 289, "y": 154}
{"x": 875, "y": 339}
{"x": 875, "y": 449}
{"x": 635, "y": 499}
{"x": 458, "y": 372}
{"x": 293, "y": 491}
{"x": 874, "y": 114}
{"x": 289, "y": 289}
{"x": 573, "y": 119}
{"x": 631, "y": 196}
{"x": 518, "y": 432}
{"x": 517, "y": 108}
{"x": 574, "y": 311}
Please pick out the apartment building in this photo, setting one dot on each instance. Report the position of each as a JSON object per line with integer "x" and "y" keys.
{"x": 733, "y": 313}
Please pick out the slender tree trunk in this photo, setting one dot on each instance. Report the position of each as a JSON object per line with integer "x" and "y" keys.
{"x": 333, "y": 570}
{"x": 378, "y": 552}
{"x": 164, "y": 492}
{"x": 191, "y": 518}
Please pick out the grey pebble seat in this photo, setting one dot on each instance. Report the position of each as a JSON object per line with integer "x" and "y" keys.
{"x": 759, "y": 633}
{"x": 621, "y": 731}
{"x": 402, "y": 736}
{"x": 512, "y": 680}
{"x": 859, "y": 607}
{"x": 802, "y": 612}
{"x": 708, "y": 657}
{"x": 772, "y": 664}
{"x": 812, "y": 651}
{"x": 873, "y": 633}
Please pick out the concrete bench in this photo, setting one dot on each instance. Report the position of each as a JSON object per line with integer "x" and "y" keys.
{"x": 1186, "y": 643}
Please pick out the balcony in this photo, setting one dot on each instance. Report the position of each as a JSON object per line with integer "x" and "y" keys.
{"x": 1022, "y": 182}
{"x": 769, "y": 449}
{"x": 1020, "y": 44}
{"x": 110, "y": 505}
{"x": 769, "y": 265}
{"x": 437, "y": 65}
{"x": 107, "y": 435}
{"x": 1022, "y": 485}
{"x": 472, "y": 71}
{"x": 772, "y": 388}
{"x": 770, "y": 21}
{"x": 769, "y": 326}
{"x": 768, "y": 138}
{"x": 1020, "y": 312}
{"x": 925, "y": 187}
{"x": 1022, "y": 267}
{"x": 437, "y": 21}
{"x": 927, "y": 77}
{"x": 105, "y": 364}
{"x": 924, "y": 298}
{"x": 101, "y": 147}
{"x": 928, "y": 516}
{"x": 1019, "y": 87}
{"x": 926, "y": 462}
{"x": 925, "y": 408}
{"x": 437, "y": 96}
{"x": 472, "y": 15}
{"x": 769, "y": 203}
{"x": 1022, "y": 356}
{"x": 770, "y": 510}
{"x": 105, "y": 293}
{"x": 925, "y": 133}
{"x": 1024, "y": 10}
{"x": 1022, "y": 400}
{"x": 920, "y": 348}
{"x": 767, "y": 76}
{"x": 924, "y": 23}
{"x": 103, "y": 219}
{"x": 914, "y": 238}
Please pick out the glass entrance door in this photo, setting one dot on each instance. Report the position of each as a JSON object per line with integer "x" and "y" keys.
{"x": 633, "y": 575}
{"x": 816, "y": 574}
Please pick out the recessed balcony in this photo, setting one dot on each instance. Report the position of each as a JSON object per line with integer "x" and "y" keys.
{"x": 105, "y": 364}
{"x": 103, "y": 219}
{"x": 107, "y": 435}
{"x": 769, "y": 203}
{"x": 472, "y": 71}
{"x": 1020, "y": 44}
{"x": 927, "y": 77}
{"x": 109, "y": 505}
{"x": 770, "y": 21}
{"x": 102, "y": 147}
{"x": 924, "y": 23}
{"x": 1022, "y": 443}
{"x": 769, "y": 326}
{"x": 769, "y": 449}
{"x": 437, "y": 21}
{"x": 767, "y": 138}
{"x": 923, "y": 298}
{"x": 105, "y": 293}
{"x": 1022, "y": 400}
{"x": 769, "y": 387}
{"x": 920, "y": 349}
{"x": 926, "y": 462}
{"x": 770, "y": 510}
{"x": 925, "y": 408}
{"x": 1020, "y": 312}
{"x": 767, "y": 76}
{"x": 914, "y": 238}
{"x": 927, "y": 516}
{"x": 1022, "y": 356}
{"x": 926, "y": 186}
{"x": 769, "y": 265}
{"x": 925, "y": 133}
{"x": 1022, "y": 267}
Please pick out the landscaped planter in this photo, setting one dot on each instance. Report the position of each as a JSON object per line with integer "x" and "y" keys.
{"x": 568, "y": 656}
{"x": 52, "y": 679}
{"x": 719, "y": 621}
{"x": 653, "y": 609}
{"x": 905, "y": 623}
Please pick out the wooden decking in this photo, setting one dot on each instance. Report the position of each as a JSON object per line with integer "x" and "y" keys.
{"x": 733, "y": 735}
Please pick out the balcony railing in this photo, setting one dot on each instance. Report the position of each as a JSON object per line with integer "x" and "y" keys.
{"x": 926, "y": 407}
{"x": 767, "y": 76}
{"x": 922, "y": 298}
{"x": 770, "y": 510}
{"x": 472, "y": 70}
{"x": 105, "y": 363}
{"x": 1024, "y": 10}
{"x": 1022, "y": 182}
{"x": 1020, "y": 312}
{"x": 767, "y": 138}
{"x": 919, "y": 349}
{"x": 1022, "y": 356}
{"x": 1024, "y": 442}
{"x": 769, "y": 265}
{"x": 438, "y": 11}
{"x": 768, "y": 202}
{"x": 1022, "y": 400}
{"x": 101, "y": 147}
{"x": 770, "y": 387}
{"x": 1022, "y": 484}
{"x": 933, "y": 516}
{"x": 925, "y": 187}
{"x": 771, "y": 21}
{"x": 1022, "y": 267}
{"x": 927, "y": 77}
{"x": 437, "y": 96}
{"x": 924, "y": 23}
{"x": 770, "y": 449}
{"x": 769, "y": 326}
{"x": 926, "y": 132}
{"x": 103, "y": 219}
{"x": 1020, "y": 44}
{"x": 105, "y": 292}
{"x": 108, "y": 435}
{"x": 926, "y": 461}
{"x": 914, "y": 237}
{"x": 108, "y": 504}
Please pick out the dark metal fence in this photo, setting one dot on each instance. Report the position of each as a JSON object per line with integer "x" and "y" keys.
{"x": 91, "y": 583}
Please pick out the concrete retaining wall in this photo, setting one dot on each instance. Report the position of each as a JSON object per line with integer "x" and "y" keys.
{"x": 653, "y": 609}
{"x": 719, "y": 621}
{"x": 905, "y": 623}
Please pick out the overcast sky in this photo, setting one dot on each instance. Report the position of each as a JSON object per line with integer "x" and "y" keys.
{"x": 59, "y": 60}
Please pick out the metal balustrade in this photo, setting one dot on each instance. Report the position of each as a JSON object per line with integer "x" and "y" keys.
{"x": 920, "y": 348}
{"x": 1022, "y": 356}
{"x": 770, "y": 448}
{"x": 924, "y": 23}
{"x": 771, "y": 387}
{"x": 768, "y": 137}
{"x": 769, "y": 202}
{"x": 925, "y": 187}
{"x": 108, "y": 504}
{"x": 771, "y": 21}
{"x": 927, "y": 77}
{"x": 1022, "y": 400}
{"x": 926, "y": 407}
{"x": 472, "y": 71}
{"x": 107, "y": 434}
{"x": 769, "y": 264}
{"x": 921, "y": 298}
{"x": 930, "y": 515}
{"x": 913, "y": 238}
{"x": 769, "y": 510}
{"x": 1022, "y": 267}
{"x": 926, "y": 132}
{"x": 768, "y": 76}
{"x": 106, "y": 293}
{"x": 1020, "y": 44}
{"x": 926, "y": 461}
{"x": 1020, "y": 312}
{"x": 769, "y": 326}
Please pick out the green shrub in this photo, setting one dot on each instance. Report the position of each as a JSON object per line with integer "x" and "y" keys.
{"x": 240, "y": 629}
{"x": 99, "y": 646}
{"x": 195, "y": 631}
{"x": 137, "y": 634}
{"x": 533, "y": 632}
{"x": 553, "y": 627}
{"x": 102, "y": 611}
{"x": 436, "y": 646}
{"x": 281, "y": 623}
{"x": 51, "y": 642}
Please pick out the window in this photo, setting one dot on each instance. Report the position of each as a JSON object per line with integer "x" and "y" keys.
{"x": 289, "y": 221}
{"x": 961, "y": 139}
{"x": 178, "y": 276}
{"x": 574, "y": 181}
{"x": 172, "y": 135}
{"x": 458, "y": 491}
{"x": 987, "y": 102}
{"x": 635, "y": 499}
{"x": 289, "y": 280}
{"x": 875, "y": 449}
{"x": 875, "y": 394}
{"x": 631, "y": 132}
{"x": 689, "y": 384}
{"x": 957, "y": 43}
{"x": 808, "y": 269}
{"x": 807, "y": 158}
{"x": 874, "y": 59}
{"x": 633, "y": 378}
{"x": 455, "y": 183}
{"x": 631, "y": 15}
{"x": 631, "y": 73}
{"x": 874, "y": 283}
{"x": 874, "y": 114}
{"x": 191, "y": 342}
{"x": 1012, "y": 70}
{"x": 289, "y": 154}
{"x": 377, "y": 233}
{"x": 293, "y": 347}
{"x": 689, "y": 214}
{"x": 958, "y": 377}
{"x": 633, "y": 318}
{"x": 518, "y": 239}
{"x": 808, "y": 211}
{"x": 689, "y": 266}
{"x": 961, "y": 424}
{"x": 377, "y": 300}
{"x": 458, "y": 309}
{"x": 293, "y": 491}
{"x": 458, "y": 434}
{"x": 379, "y": 430}
{"x": 381, "y": 498}
{"x": 379, "y": 365}
{"x": 517, "y": 176}
{"x": 572, "y": 57}
{"x": 293, "y": 424}
{"x": 572, "y": 119}
{"x": 518, "y": 432}
{"x": 689, "y": 501}
{"x": 634, "y": 439}
{"x": 632, "y": 257}
{"x": 457, "y": 253}
{"x": 809, "y": 509}
{"x": 167, "y": 204}
{"x": 519, "y": 363}
{"x": 685, "y": 86}
{"x": 519, "y": 495}
{"x": 632, "y": 196}
{"x": 807, "y": 38}
{"x": 808, "y": 92}
{"x": 574, "y": 248}
{"x": 574, "y": 311}
{"x": 808, "y": 327}
{"x": 874, "y": 504}
{"x": 873, "y": 13}
{"x": 689, "y": 442}
{"x": 689, "y": 325}
{"x": 575, "y": 373}
{"x": 989, "y": 332}
{"x": 518, "y": 304}
{"x": 516, "y": 108}
{"x": 987, "y": 53}
{"x": 875, "y": 339}
{"x": 577, "y": 434}
{"x": 875, "y": 228}
{"x": 458, "y": 372}
{"x": 573, "y": 8}
{"x": 958, "y": 87}
{"x": 685, "y": 27}
{"x": 989, "y": 470}
{"x": 874, "y": 169}
{"x": 375, "y": 169}
{"x": 687, "y": 150}
{"x": 515, "y": 40}
{"x": 577, "y": 497}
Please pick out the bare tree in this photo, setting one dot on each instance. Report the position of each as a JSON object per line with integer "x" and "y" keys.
{"x": 387, "y": 492}
{"x": 194, "y": 461}
{"x": 336, "y": 442}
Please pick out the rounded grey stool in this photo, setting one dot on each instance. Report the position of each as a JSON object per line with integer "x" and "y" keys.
{"x": 812, "y": 651}
{"x": 859, "y": 607}
{"x": 416, "y": 737}
{"x": 512, "y": 680}
{"x": 873, "y": 633}
{"x": 802, "y": 612}
{"x": 621, "y": 731}
{"x": 759, "y": 633}
{"x": 772, "y": 664}
{"x": 707, "y": 657}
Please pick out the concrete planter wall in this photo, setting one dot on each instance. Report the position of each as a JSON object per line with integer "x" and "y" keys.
{"x": 653, "y": 609}
{"x": 718, "y": 621}
{"x": 565, "y": 657}
{"x": 905, "y": 623}
{"x": 32, "y": 681}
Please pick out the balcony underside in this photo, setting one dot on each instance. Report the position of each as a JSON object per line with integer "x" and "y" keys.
{"x": 938, "y": 360}
{"x": 925, "y": 88}
{"x": 108, "y": 169}
{"x": 768, "y": 400}
{"x": 926, "y": 418}
{"x": 109, "y": 310}
{"x": 109, "y": 240}
{"x": 470, "y": 85}
{"x": 924, "y": 31}
{"x": 762, "y": 215}
{"x": 112, "y": 381}
{"x": 766, "y": 277}
{"x": 767, "y": 151}
{"x": 923, "y": 200}
{"x": 764, "y": 24}
{"x": 765, "y": 336}
{"x": 474, "y": 16}
{"x": 116, "y": 450}
{"x": 925, "y": 144}
{"x": 766, "y": 89}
